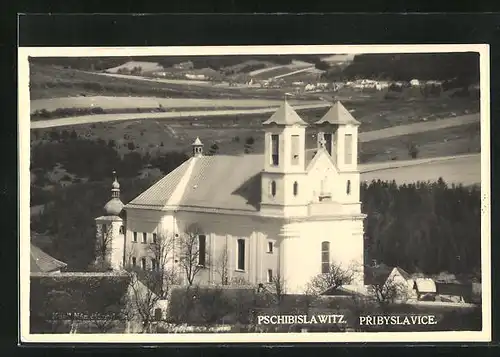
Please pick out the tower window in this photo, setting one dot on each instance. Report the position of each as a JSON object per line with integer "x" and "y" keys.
{"x": 269, "y": 275}
{"x": 202, "y": 249}
{"x": 143, "y": 263}
{"x": 325, "y": 257}
{"x": 135, "y": 237}
{"x": 104, "y": 229}
{"x": 348, "y": 188}
{"x": 295, "y": 188}
{"x": 273, "y": 188}
{"x": 241, "y": 254}
{"x": 275, "y": 149}
{"x": 134, "y": 261}
{"x": 270, "y": 247}
{"x": 295, "y": 149}
{"x": 328, "y": 142}
{"x": 348, "y": 149}
{"x": 122, "y": 230}
{"x": 144, "y": 237}
{"x": 154, "y": 264}
{"x": 154, "y": 238}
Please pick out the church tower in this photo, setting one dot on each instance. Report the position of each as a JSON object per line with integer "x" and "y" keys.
{"x": 110, "y": 232}
{"x": 338, "y": 135}
{"x": 284, "y": 174}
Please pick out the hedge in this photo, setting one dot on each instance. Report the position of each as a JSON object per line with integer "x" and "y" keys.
{"x": 76, "y": 296}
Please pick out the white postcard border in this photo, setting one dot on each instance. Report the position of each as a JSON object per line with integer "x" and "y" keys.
{"x": 222, "y": 338}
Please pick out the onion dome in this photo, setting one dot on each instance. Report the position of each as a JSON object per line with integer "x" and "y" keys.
{"x": 114, "y": 206}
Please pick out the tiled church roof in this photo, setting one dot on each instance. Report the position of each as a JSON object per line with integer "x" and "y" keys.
{"x": 219, "y": 182}
{"x": 157, "y": 195}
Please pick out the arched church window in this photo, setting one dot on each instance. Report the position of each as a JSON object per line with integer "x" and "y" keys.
{"x": 325, "y": 257}
{"x": 348, "y": 188}
{"x": 122, "y": 230}
{"x": 295, "y": 188}
{"x": 273, "y": 188}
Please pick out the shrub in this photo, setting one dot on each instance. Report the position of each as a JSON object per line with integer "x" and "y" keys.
{"x": 413, "y": 150}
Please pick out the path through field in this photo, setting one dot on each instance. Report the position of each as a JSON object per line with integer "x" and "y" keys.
{"x": 294, "y": 72}
{"x": 264, "y": 70}
{"x": 159, "y": 80}
{"x": 98, "y": 118}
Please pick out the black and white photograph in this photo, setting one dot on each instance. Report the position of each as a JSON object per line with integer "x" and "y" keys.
{"x": 255, "y": 193}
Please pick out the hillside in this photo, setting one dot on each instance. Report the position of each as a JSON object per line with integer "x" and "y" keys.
{"x": 214, "y": 62}
{"x": 405, "y": 67}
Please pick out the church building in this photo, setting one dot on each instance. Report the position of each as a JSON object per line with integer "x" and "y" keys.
{"x": 287, "y": 213}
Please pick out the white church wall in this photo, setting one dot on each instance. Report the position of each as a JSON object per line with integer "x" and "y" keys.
{"x": 222, "y": 229}
{"x": 346, "y": 249}
{"x": 323, "y": 177}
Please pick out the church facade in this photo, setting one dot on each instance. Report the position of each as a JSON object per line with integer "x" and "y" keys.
{"x": 287, "y": 213}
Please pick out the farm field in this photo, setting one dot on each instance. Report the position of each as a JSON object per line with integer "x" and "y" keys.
{"x": 54, "y": 82}
{"x": 457, "y": 136}
{"x": 108, "y": 102}
{"x": 145, "y": 66}
{"x": 465, "y": 170}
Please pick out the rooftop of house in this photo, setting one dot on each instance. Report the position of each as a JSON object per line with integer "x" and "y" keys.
{"x": 41, "y": 262}
{"x": 378, "y": 274}
{"x": 425, "y": 285}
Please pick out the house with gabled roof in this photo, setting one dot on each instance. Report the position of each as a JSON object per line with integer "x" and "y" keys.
{"x": 287, "y": 212}
{"x": 41, "y": 262}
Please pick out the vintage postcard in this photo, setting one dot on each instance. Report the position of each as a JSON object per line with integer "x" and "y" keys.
{"x": 255, "y": 194}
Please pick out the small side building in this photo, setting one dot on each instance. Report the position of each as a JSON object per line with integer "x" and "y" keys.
{"x": 41, "y": 262}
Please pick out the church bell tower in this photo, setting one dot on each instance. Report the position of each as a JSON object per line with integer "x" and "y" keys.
{"x": 284, "y": 174}
{"x": 338, "y": 135}
{"x": 110, "y": 232}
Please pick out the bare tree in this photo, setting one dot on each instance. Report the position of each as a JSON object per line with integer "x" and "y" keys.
{"x": 143, "y": 298}
{"x": 103, "y": 249}
{"x": 161, "y": 253}
{"x": 278, "y": 289}
{"x": 192, "y": 259}
{"x": 335, "y": 277}
{"x": 222, "y": 265}
{"x": 150, "y": 285}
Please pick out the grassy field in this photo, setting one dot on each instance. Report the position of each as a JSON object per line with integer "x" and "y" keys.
{"x": 457, "y": 140}
{"x": 464, "y": 170}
